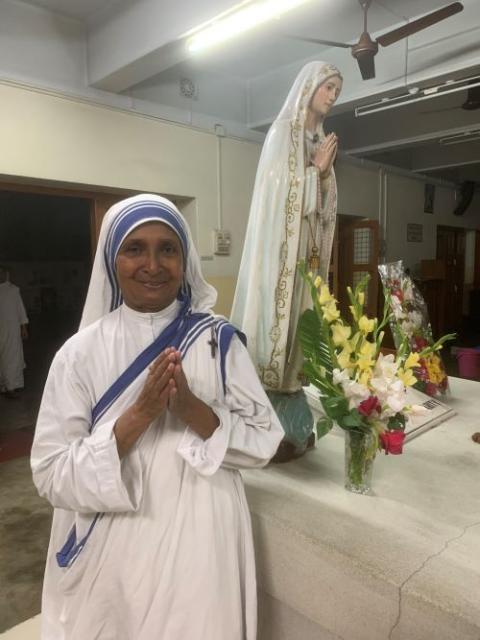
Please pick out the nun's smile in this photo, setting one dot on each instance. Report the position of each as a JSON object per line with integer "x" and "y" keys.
{"x": 149, "y": 267}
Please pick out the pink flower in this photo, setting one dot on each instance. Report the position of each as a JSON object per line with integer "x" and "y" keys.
{"x": 368, "y": 406}
{"x": 392, "y": 441}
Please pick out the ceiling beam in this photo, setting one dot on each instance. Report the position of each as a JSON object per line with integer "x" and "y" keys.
{"x": 142, "y": 39}
{"x": 442, "y": 156}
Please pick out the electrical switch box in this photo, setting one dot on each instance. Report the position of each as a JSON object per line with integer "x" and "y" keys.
{"x": 221, "y": 242}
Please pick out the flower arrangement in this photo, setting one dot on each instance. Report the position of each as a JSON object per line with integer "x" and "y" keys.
{"x": 361, "y": 389}
{"x": 410, "y": 323}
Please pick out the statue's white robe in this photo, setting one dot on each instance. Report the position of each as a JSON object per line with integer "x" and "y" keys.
{"x": 288, "y": 199}
{"x": 12, "y": 316}
{"x": 172, "y": 557}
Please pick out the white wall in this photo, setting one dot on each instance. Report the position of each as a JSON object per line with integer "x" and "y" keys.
{"x": 405, "y": 205}
{"x": 49, "y": 138}
{"x": 41, "y": 47}
{"x": 359, "y": 189}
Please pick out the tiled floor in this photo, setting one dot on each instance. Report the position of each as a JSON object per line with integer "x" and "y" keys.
{"x": 25, "y": 517}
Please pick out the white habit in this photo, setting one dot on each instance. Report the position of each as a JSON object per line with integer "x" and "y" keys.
{"x": 172, "y": 556}
{"x": 12, "y": 316}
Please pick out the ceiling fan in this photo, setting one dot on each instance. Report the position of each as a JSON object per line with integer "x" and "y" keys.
{"x": 365, "y": 50}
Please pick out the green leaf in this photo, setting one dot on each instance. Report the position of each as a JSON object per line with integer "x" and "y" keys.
{"x": 313, "y": 333}
{"x": 335, "y": 407}
{"x": 324, "y": 425}
{"x": 396, "y": 422}
{"x": 353, "y": 420}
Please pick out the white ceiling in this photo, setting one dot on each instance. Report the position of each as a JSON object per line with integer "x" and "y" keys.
{"x": 134, "y": 48}
{"x": 85, "y": 10}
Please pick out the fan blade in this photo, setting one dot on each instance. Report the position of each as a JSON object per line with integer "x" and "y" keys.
{"x": 330, "y": 43}
{"x": 418, "y": 25}
{"x": 367, "y": 66}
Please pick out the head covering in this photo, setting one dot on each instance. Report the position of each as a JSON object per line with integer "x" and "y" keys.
{"x": 104, "y": 293}
{"x": 267, "y": 298}
{"x": 301, "y": 93}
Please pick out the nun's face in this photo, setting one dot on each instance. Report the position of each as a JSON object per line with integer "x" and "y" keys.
{"x": 150, "y": 267}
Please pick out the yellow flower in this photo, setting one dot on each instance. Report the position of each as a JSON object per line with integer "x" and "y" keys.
{"x": 355, "y": 340}
{"x": 361, "y": 298}
{"x": 407, "y": 377}
{"x": 365, "y": 377}
{"x": 343, "y": 359}
{"x": 317, "y": 282}
{"x": 412, "y": 360}
{"x": 324, "y": 297}
{"x": 368, "y": 348}
{"x": 330, "y": 311}
{"x": 365, "y": 325}
{"x": 364, "y": 361}
{"x": 340, "y": 334}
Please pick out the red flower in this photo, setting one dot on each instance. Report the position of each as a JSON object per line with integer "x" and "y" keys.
{"x": 431, "y": 389}
{"x": 420, "y": 343}
{"x": 368, "y": 406}
{"x": 392, "y": 441}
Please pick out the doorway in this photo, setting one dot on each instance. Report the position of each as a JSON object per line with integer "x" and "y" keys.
{"x": 48, "y": 237}
{"x": 451, "y": 251}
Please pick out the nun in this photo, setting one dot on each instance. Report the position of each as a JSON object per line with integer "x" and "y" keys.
{"x": 148, "y": 414}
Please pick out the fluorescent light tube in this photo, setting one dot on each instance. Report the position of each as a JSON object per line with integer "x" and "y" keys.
{"x": 231, "y": 24}
{"x": 410, "y": 98}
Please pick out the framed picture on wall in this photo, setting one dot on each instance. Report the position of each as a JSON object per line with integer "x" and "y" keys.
{"x": 429, "y": 198}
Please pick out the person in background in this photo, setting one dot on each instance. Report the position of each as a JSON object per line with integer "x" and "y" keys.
{"x": 148, "y": 414}
{"x": 13, "y": 330}
{"x": 292, "y": 218}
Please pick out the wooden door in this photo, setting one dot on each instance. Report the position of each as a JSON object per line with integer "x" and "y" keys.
{"x": 358, "y": 256}
{"x": 451, "y": 251}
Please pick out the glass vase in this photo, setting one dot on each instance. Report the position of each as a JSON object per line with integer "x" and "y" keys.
{"x": 360, "y": 451}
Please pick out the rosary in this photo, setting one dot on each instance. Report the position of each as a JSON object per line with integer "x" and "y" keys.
{"x": 314, "y": 258}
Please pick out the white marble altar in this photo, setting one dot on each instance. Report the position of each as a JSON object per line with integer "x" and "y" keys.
{"x": 403, "y": 564}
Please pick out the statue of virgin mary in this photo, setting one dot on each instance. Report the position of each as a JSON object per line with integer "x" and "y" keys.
{"x": 292, "y": 217}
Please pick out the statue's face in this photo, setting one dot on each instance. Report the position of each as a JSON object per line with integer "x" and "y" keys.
{"x": 326, "y": 95}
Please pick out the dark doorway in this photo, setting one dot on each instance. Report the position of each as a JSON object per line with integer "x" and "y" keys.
{"x": 45, "y": 241}
{"x": 451, "y": 251}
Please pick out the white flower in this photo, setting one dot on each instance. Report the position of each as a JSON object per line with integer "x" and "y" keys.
{"x": 340, "y": 375}
{"x": 385, "y": 368}
{"x": 416, "y": 319}
{"x": 407, "y": 327}
{"x": 418, "y": 410}
{"x": 355, "y": 392}
{"x": 407, "y": 290}
{"x": 396, "y": 397}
